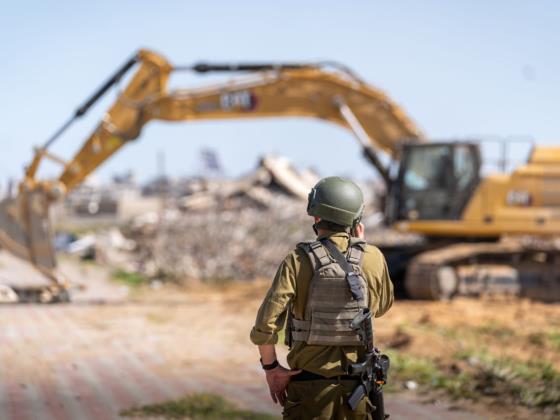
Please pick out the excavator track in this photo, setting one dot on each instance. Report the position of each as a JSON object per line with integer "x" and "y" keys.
{"x": 509, "y": 267}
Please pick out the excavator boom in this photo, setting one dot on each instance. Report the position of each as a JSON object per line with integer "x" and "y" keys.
{"x": 325, "y": 91}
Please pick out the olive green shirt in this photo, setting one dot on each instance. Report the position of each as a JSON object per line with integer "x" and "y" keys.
{"x": 290, "y": 286}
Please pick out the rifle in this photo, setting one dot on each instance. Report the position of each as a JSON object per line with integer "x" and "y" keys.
{"x": 372, "y": 370}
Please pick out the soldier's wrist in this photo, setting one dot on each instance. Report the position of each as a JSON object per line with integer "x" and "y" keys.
{"x": 270, "y": 366}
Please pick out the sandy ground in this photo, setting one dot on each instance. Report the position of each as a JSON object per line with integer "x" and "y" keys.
{"x": 110, "y": 350}
{"x": 507, "y": 327}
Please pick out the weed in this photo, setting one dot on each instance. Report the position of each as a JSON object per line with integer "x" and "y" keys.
{"x": 495, "y": 330}
{"x": 405, "y": 367}
{"x": 536, "y": 339}
{"x": 196, "y": 406}
{"x": 130, "y": 278}
{"x": 534, "y": 384}
{"x": 554, "y": 339}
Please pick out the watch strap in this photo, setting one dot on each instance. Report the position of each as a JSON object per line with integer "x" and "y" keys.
{"x": 270, "y": 366}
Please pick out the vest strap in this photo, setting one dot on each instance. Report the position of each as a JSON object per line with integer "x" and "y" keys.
{"x": 300, "y": 329}
{"x": 356, "y": 251}
{"x": 351, "y": 276}
{"x": 355, "y": 255}
{"x": 320, "y": 253}
{"x": 300, "y": 324}
{"x": 335, "y": 333}
{"x": 300, "y": 336}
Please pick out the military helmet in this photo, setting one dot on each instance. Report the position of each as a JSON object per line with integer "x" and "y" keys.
{"x": 336, "y": 200}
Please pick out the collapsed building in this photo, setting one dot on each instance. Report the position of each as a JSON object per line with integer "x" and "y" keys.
{"x": 227, "y": 229}
{"x": 221, "y": 229}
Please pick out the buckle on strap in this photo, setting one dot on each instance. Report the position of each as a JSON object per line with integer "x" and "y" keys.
{"x": 320, "y": 253}
{"x": 355, "y": 255}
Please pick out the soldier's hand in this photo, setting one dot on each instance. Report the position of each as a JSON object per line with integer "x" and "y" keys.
{"x": 278, "y": 379}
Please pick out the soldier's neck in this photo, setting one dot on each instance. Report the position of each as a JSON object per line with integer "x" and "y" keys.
{"x": 325, "y": 232}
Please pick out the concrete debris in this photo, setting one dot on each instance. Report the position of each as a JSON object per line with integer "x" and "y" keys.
{"x": 274, "y": 175}
{"x": 83, "y": 245}
{"x": 222, "y": 229}
{"x": 216, "y": 245}
{"x": 283, "y": 174}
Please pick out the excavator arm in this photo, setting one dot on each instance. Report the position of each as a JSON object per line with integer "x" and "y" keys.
{"x": 290, "y": 90}
{"x": 322, "y": 91}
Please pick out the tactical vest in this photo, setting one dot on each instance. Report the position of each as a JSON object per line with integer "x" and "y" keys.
{"x": 330, "y": 306}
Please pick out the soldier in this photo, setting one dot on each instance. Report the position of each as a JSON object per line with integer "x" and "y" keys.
{"x": 311, "y": 289}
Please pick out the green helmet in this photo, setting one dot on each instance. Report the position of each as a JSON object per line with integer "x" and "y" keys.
{"x": 336, "y": 200}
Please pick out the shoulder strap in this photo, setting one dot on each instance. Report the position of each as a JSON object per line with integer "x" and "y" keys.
{"x": 315, "y": 249}
{"x": 357, "y": 242}
{"x": 356, "y": 250}
{"x": 351, "y": 276}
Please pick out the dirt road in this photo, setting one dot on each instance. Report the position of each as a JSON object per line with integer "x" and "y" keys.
{"x": 91, "y": 360}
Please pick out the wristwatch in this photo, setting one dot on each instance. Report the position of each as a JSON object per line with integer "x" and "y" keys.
{"x": 269, "y": 366}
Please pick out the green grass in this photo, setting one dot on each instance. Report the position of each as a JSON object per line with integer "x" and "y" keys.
{"x": 129, "y": 278}
{"x": 550, "y": 339}
{"x": 554, "y": 339}
{"x": 533, "y": 384}
{"x": 475, "y": 374}
{"x": 404, "y": 367}
{"x": 197, "y": 406}
{"x": 537, "y": 339}
{"x": 495, "y": 330}
{"x": 427, "y": 373}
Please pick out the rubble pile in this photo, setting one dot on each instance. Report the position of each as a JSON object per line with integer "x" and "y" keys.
{"x": 221, "y": 229}
{"x": 274, "y": 178}
{"x": 233, "y": 229}
{"x": 242, "y": 243}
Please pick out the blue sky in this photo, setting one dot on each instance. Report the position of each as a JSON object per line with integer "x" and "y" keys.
{"x": 460, "y": 69}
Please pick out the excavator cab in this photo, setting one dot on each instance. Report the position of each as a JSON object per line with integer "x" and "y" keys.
{"x": 434, "y": 181}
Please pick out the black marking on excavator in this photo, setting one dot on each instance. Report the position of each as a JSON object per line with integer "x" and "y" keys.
{"x": 241, "y": 67}
{"x": 82, "y": 110}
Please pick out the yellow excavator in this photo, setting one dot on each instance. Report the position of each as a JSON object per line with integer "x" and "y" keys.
{"x": 432, "y": 188}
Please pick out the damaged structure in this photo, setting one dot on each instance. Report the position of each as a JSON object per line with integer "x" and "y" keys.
{"x": 222, "y": 229}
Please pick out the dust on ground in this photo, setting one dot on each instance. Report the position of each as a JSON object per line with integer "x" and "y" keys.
{"x": 474, "y": 354}
{"x": 116, "y": 347}
{"x": 495, "y": 356}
